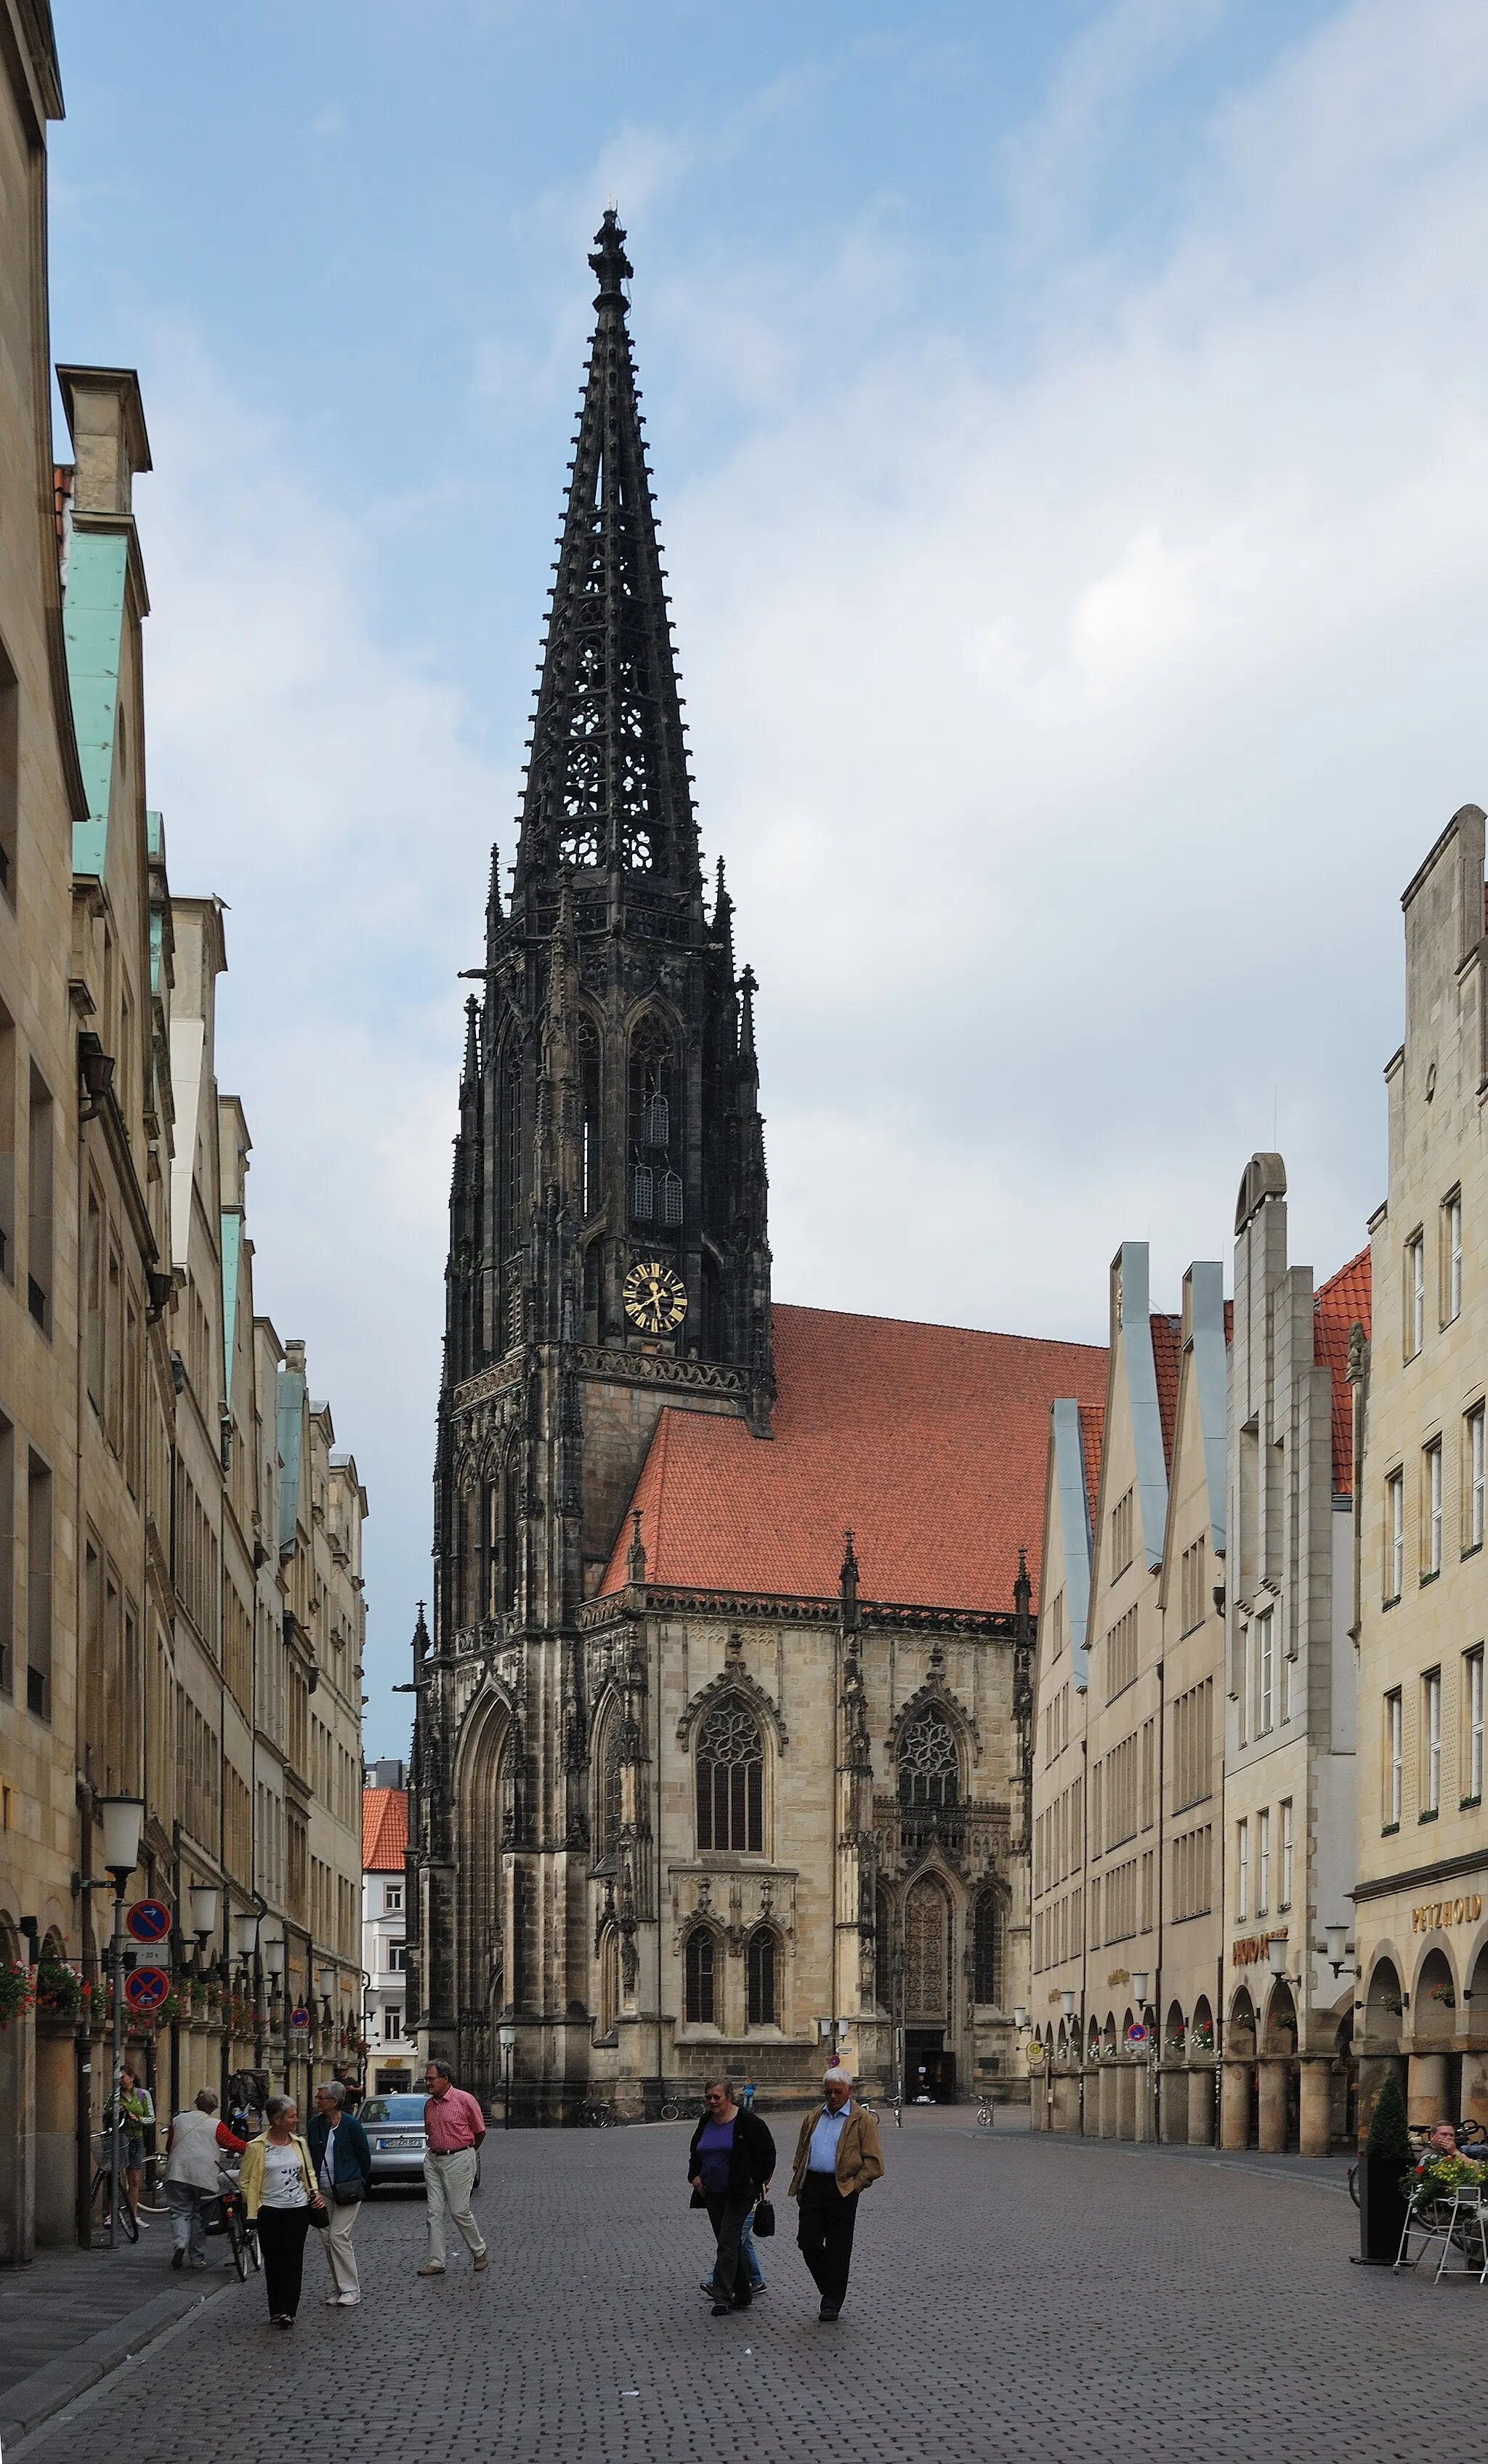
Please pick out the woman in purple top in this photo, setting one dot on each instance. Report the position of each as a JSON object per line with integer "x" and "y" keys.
{"x": 730, "y": 2164}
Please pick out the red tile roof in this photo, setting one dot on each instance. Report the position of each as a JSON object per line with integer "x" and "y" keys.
{"x": 1167, "y": 1349}
{"x": 929, "y": 1441}
{"x": 1341, "y": 1302}
{"x": 385, "y": 1829}
{"x": 1092, "y": 1432}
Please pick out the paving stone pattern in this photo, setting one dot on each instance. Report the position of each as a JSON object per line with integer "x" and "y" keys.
{"x": 1012, "y": 2298}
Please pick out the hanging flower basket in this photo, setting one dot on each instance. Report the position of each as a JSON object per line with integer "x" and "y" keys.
{"x": 61, "y": 1993}
{"x": 16, "y": 1997}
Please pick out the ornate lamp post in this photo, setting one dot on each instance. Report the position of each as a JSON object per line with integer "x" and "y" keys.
{"x": 122, "y": 1818}
{"x": 508, "y": 2037}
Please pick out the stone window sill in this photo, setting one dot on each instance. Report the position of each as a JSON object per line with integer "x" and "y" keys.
{"x": 1388, "y": 1830}
{"x": 1430, "y": 1814}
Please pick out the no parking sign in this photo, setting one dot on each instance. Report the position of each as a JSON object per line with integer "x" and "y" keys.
{"x": 145, "y": 1989}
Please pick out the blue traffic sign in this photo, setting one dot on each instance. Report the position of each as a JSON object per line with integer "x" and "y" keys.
{"x": 148, "y": 1921}
{"x": 145, "y": 1987}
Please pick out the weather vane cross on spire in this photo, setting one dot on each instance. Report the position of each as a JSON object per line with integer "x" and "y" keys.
{"x": 609, "y": 261}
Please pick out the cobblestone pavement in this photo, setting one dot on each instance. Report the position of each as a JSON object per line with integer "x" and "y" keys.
{"x": 1012, "y": 2298}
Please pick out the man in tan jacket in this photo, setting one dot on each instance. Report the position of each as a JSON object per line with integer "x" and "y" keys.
{"x": 837, "y": 2156}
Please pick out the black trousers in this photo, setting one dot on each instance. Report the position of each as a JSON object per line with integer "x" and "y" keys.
{"x": 281, "y": 2237}
{"x": 824, "y": 2234}
{"x": 728, "y": 2223}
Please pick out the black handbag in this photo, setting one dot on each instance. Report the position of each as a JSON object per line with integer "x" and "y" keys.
{"x": 349, "y": 2194}
{"x": 321, "y": 2218}
{"x": 763, "y": 2225}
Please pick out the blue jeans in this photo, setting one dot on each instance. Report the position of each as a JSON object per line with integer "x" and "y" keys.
{"x": 749, "y": 2256}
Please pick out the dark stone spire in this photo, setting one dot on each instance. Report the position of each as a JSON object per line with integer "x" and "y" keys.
{"x": 607, "y": 793}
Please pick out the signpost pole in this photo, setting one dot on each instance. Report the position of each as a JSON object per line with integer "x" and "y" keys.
{"x": 118, "y": 1963}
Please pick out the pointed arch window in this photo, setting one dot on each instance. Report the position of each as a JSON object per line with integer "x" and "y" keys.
{"x": 759, "y": 1964}
{"x": 700, "y": 1978}
{"x": 730, "y": 1776}
{"x": 929, "y": 1766}
{"x": 609, "y": 1980}
{"x": 608, "y": 1794}
{"x": 510, "y": 1145}
{"x": 986, "y": 1948}
{"x": 652, "y": 1108}
{"x": 589, "y": 1089}
{"x": 927, "y": 1951}
{"x": 883, "y": 1953}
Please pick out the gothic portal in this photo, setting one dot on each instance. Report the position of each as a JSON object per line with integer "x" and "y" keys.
{"x": 679, "y": 1794}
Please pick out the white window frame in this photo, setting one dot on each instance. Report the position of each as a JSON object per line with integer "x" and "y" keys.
{"x": 1288, "y": 1854}
{"x": 1430, "y": 1739}
{"x": 392, "y": 2023}
{"x": 1395, "y": 1534}
{"x": 1243, "y": 1870}
{"x": 1453, "y": 1211}
{"x": 1265, "y": 1673}
{"x": 1477, "y": 1477}
{"x": 1474, "y": 1693}
{"x": 1416, "y": 1295}
{"x": 392, "y": 1899}
{"x": 1395, "y": 1730}
{"x": 1433, "y": 1504}
{"x": 1264, "y": 1862}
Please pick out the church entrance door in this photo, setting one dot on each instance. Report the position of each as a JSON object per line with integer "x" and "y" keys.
{"x": 930, "y": 2071}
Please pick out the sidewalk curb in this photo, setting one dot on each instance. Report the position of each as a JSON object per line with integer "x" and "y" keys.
{"x": 34, "y": 2400}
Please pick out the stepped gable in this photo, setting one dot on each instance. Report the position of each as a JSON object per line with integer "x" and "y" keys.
{"x": 1340, "y": 1304}
{"x": 929, "y": 1442}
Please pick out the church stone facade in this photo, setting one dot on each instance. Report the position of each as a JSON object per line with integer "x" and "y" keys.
{"x": 699, "y": 1777}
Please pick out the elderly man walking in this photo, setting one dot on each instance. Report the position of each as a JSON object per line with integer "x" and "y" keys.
{"x": 454, "y": 2126}
{"x": 838, "y": 2155}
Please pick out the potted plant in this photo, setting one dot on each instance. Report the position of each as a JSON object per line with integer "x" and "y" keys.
{"x": 1384, "y": 2178}
{"x": 15, "y": 1991}
{"x": 60, "y": 1992}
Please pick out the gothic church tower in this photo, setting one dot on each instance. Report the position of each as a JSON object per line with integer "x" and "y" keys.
{"x": 608, "y": 1252}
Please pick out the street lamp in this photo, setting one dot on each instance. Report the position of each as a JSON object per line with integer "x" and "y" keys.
{"x": 1336, "y": 1948}
{"x": 507, "y": 2035}
{"x": 203, "y": 1899}
{"x": 245, "y": 1935}
{"x": 122, "y": 1818}
{"x": 1067, "y": 2004}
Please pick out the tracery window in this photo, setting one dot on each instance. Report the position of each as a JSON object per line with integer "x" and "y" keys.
{"x": 730, "y": 1772}
{"x": 589, "y": 1099}
{"x": 929, "y": 1765}
{"x": 650, "y": 1114}
{"x": 607, "y": 1794}
{"x": 986, "y": 1949}
{"x": 883, "y": 1953}
{"x": 760, "y": 1961}
{"x": 927, "y": 1950}
{"x": 700, "y": 1978}
{"x": 511, "y": 1143}
{"x": 609, "y": 1980}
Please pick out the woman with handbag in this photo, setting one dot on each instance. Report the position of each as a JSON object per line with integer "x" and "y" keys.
{"x": 730, "y": 2164}
{"x": 342, "y": 2159}
{"x": 278, "y": 2181}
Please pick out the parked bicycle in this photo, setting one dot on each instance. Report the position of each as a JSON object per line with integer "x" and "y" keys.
{"x": 100, "y": 2192}
{"x": 595, "y": 2115}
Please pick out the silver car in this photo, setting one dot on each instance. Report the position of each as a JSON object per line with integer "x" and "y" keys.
{"x": 394, "y": 2125}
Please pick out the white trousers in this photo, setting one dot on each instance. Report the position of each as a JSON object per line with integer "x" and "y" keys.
{"x": 340, "y": 2257}
{"x": 450, "y": 2179}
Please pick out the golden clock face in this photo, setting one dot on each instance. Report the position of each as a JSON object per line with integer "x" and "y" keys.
{"x": 655, "y": 1297}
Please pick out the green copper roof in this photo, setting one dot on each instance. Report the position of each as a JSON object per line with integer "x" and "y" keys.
{"x": 232, "y": 1250}
{"x": 292, "y": 1398}
{"x": 92, "y": 621}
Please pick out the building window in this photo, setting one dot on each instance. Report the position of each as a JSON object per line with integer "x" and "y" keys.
{"x": 1473, "y": 1706}
{"x": 1054, "y": 1626}
{"x": 929, "y": 1764}
{"x": 927, "y": 1951}
{"x": 1430, "y": 1508}
{"x": 6, "y": 1555}
{"x": 1394, "y": 1758}
{"x": 1416, "y": 1295}
{"x": 1476, "y": 1478}
{"x": 392, "y": 1898}
{"x": 1452, "y": 1258}
{"x": 1431, "y": 1742}
{"x": 590, "y": 1076}
{"x": 1122, "y": 1654}
{"x": 730, "y": 1772}
{"x": 1264, "y": 1862}
{"x": 1265, "y": 1674}
{"x": 986, "y": 1949}
{"x": 39, "y": 1202}
{"x": 1122, "y": 1525}
{"x": 1242, "y": 1683}
{"x": 652, "y": 1108}
{"x": 1288, "y": 1853}
{"x": 759, "y": 1979}
{"x": 38, "y": 1589}
{"x": 6, "y": 1147}
{"x": 9, "y": 773}
{"x": 1192, "y": 1587}
{"x": 700, "y": 1978}
{"x": 397, "y": 1958}
{"x": 1395, "y": 1535}
{"x": 392, "y": 2023}
{"x": 1286, "y": 1687}
{"x": 1242, "y": 1871}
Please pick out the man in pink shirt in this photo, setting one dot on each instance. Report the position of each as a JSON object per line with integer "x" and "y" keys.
{"x": 454, "y": 2126}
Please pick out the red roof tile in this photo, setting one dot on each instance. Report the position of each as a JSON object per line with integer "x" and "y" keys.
{"x": 385, "y": 1829}
{"x": 1092, "y": 1433}
{"x": 1167, "y": 1347}
{"x": 1341, "y": 1302}
{"x": 929, "y": 1441}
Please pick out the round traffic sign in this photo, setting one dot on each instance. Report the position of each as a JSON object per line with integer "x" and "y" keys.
{"x": 148, "y": 1920}
{"x": 299, "y": 2018}
{"x": 1136, "y": 2034}
{"x": 145, "y": 1987}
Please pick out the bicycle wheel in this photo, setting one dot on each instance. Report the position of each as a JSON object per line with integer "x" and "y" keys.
{"x": 250, "y": 2236}
{"x": 984, "y": 2117}
{"x": 671, "y": 2111}
{"x": 237, "y": 2242}
{"x": 126, "y": 2214}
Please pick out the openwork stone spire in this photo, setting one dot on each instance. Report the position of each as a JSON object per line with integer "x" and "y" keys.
{"x": 607, "y": 790}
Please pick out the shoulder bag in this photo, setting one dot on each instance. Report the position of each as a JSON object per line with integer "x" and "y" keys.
{"x": 320, "y": 2217}
{"x": 764, "y": 2220}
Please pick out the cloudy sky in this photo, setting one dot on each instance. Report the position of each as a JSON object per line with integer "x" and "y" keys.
{"x": 1070, "y": 427}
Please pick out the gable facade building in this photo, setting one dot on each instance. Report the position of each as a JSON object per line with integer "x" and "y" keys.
{"x": 721, "y": 1730}
{"x": 1421, "y": 1893}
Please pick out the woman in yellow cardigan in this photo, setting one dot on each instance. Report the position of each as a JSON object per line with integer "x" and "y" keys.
{"x": 280, "y": 2192}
